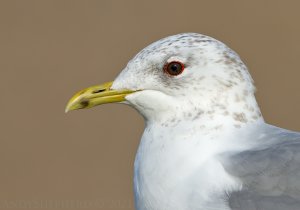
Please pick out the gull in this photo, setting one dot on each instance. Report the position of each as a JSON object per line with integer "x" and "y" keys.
{"x": 205, "y": 145}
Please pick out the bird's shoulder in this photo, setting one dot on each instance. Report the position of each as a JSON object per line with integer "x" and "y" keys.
{"x": 269, "y": 171}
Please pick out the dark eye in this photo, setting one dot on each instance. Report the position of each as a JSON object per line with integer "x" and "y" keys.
{"x": 174, "y": 68}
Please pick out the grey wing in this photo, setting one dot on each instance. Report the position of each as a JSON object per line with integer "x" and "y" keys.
{"x": 270, "y": 173}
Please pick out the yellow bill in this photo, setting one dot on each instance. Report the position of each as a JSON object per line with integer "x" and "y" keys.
{"x": 96, "y": 95}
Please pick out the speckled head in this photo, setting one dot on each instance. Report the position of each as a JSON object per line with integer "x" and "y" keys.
{"x": 215, "y": 82}
{"x": 181, "y": 78}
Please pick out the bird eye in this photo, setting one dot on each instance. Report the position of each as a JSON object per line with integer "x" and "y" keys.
{"x": 174, "y": 68}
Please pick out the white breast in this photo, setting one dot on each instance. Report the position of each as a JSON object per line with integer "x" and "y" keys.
{"x": 176, "y": 171}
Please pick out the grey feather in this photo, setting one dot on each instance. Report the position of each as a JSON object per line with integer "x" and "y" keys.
{"x": 269, "y": 171}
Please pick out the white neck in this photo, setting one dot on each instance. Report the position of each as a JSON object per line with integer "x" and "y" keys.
{"x": 170, "y": 160}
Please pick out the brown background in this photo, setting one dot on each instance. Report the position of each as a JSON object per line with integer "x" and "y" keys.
{"x": 50, "y": 49}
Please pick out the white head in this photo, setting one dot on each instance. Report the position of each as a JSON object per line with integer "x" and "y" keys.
{"x": 214, "y": 81}
{"x": 182, "y": 77}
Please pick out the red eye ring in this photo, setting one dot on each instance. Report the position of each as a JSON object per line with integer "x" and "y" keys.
{"x": 174, "y": 68}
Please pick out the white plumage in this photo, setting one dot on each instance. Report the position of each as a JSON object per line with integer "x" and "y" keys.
{"x": 206, "y": 145}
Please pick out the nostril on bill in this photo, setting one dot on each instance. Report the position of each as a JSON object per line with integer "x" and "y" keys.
{"x": 98, "y": 91}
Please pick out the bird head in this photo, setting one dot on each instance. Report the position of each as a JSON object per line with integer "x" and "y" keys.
{"x": 187, "y": 75}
